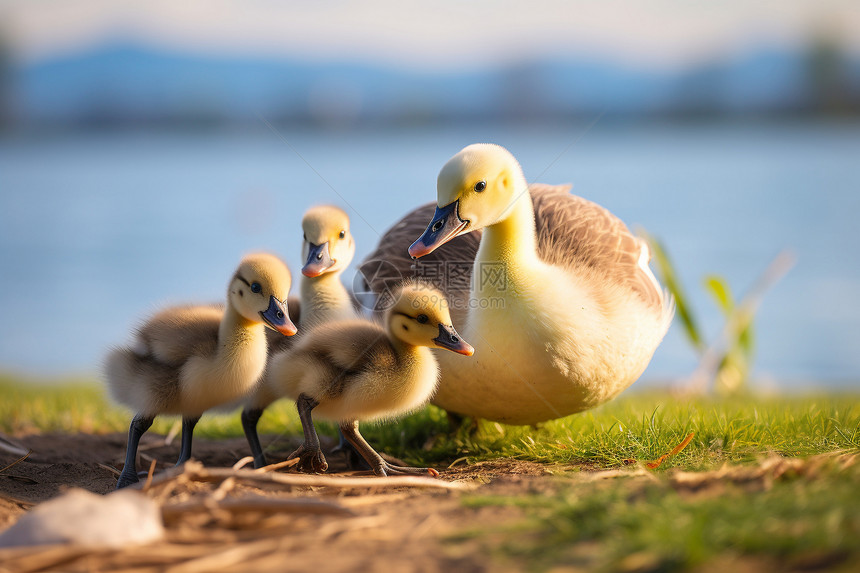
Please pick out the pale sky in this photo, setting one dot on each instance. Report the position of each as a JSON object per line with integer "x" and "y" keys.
{"x": 430, "y": 34}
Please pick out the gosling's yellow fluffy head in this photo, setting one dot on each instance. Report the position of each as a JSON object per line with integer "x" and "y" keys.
{"x": 420, "y": 317}
{"x": 328, "y": 245}
{"x": 259, "y": 289}
{"x": 475, "y": 188}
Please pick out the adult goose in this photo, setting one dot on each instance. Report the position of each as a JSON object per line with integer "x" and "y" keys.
{"x": 555, "y": 294}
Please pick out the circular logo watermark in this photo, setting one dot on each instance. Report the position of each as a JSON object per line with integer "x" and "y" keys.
{"x": 374, "y": 283}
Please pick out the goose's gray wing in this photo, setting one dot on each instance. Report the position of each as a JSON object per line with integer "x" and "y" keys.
{"x": 575, "y": 233}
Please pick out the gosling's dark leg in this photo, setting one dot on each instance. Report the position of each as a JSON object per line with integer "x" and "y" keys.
{"x": 311, "y": 458}
{"x": 250, "y": 417}
{"x": 187, "y": 433}
{"x": 354, "y": 461}
{"x": 139, "y": 425}
{"x": 380, "y": 466}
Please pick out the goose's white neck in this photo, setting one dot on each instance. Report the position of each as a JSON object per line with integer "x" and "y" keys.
{"x": 509, "y": 244}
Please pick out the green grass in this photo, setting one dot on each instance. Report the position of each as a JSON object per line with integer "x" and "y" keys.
{"x": 645, "y": 426}
{"x": 637, "y": 426}
{"x": 620, "y": 524}
{"x": 33, "y": 406}
{"x": 647, "y": 525}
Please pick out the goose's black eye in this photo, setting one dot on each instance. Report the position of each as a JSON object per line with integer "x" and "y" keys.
{"x": 342, "y": 234}
{"x": 422, "y": 318}
{"x": 480, "y": 186}
{"x": 255, "y": 287}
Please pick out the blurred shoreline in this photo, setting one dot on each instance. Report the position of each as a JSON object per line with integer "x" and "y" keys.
{"x": 848, "y": 121}
{"x": 130, "y": 85}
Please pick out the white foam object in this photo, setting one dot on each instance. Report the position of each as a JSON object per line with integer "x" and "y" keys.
{"x": 78, "y": 517}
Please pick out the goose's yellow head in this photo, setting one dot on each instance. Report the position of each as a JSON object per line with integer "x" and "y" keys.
{"x": 475, "y": 188}
{"x": 258, "y": 291}
{"x": 328, "y": 245}
{"x": 420, "y": 317}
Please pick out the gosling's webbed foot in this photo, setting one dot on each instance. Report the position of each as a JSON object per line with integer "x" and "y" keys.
{"x": 384, "y": 468}
{"x": 311, "y": 459}
{"x": 126, "y": 479}
{"x": 372, "y": 457}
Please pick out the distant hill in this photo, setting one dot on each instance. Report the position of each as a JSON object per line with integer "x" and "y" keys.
{"x": 126, "y": 83}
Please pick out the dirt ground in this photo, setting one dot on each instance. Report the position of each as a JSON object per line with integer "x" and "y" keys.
{"x": 242, "y": 520}
{"x": 369, "y": 528}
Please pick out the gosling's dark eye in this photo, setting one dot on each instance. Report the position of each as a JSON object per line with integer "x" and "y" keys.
{"x": 422, "y": 318}
{"x": 255, "y": 287}
{"x": 305, "y": 236}
{"x": 342, "y": 234}
{"x": 480, "y": 186}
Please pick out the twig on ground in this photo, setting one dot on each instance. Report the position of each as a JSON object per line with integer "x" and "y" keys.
{"x": 111, "y": 469}
{"x": 30, "y": 559}
{"x": 223, "y": 489}
{"x": 18, "y": 461}
{"x": 258, "y": 504}
{"x": 149, "y": 476}
{"x": 334, "y": 528}
{"x": 675, "y": 451}
{"x": 278, "y": 466}
{"x": 373, "y": 499}
{"x": 233, "y": 555}
{"x": 243, "y": 462}
{"x": 195, "y": 471}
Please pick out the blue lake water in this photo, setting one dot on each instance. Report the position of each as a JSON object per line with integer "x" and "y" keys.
{"x": 98, "y": 230}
